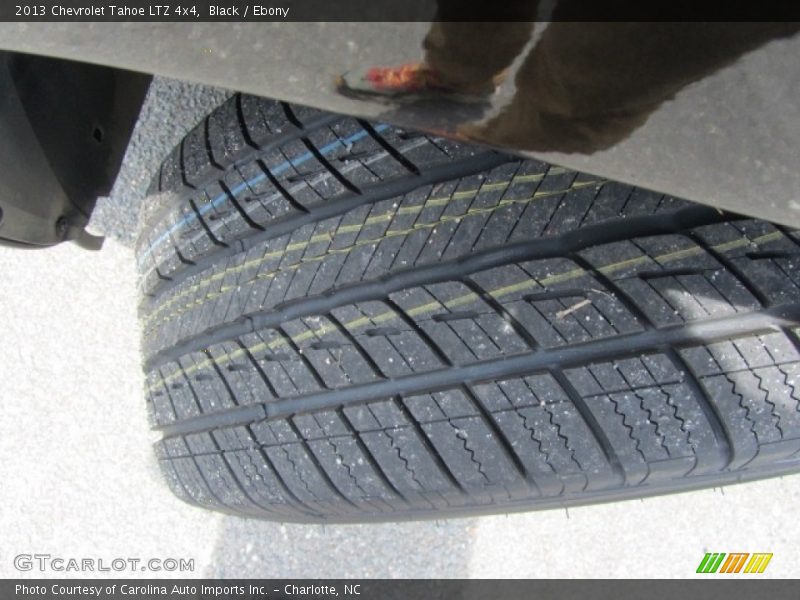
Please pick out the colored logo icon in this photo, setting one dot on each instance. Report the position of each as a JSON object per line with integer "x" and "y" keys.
{"x": 735, "y": 562}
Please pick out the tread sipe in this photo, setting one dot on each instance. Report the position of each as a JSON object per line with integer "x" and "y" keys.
{"x": 346, "y": 321}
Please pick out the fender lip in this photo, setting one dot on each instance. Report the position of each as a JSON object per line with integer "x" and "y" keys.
{"x": 728, "y": 141}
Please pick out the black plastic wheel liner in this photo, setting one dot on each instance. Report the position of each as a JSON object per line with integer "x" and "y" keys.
{"x": 65, "y": 127}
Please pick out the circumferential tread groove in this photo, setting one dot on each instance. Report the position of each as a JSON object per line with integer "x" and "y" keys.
{"x": 344, "y": 321}
{"x": 383, "y": 286}
{"x": 727, "y": 328}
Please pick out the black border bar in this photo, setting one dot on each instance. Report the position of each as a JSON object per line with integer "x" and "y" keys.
{"x": 709, "y": 587}
{"x": 192, "y": 11}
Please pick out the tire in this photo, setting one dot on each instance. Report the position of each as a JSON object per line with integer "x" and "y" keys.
{"x": 345, "y": 321}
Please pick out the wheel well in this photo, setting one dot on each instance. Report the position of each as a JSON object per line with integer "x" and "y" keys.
{"x": 66, "y": 126}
